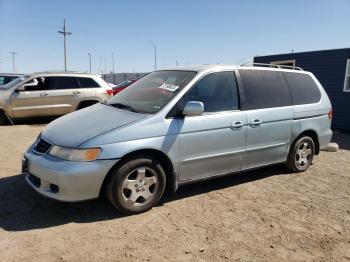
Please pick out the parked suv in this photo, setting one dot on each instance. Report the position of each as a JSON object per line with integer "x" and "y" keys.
{"x": 179, "y": 126}
{"x": 51, "y": 94}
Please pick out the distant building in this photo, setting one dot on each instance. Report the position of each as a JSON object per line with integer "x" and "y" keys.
{"x": 332, "y": 68}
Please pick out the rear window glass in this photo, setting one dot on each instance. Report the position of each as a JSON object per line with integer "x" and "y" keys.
{"x": 264, "y": 89}
{"x": 86, "y": 82}
{"x": 64, "y": 82}
{"x": 302, "y": 88}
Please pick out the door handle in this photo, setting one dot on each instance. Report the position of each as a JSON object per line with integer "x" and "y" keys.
{"x": 44, "y": 94}
{"x": 256, "y": 122}
{"x": 76, "y": 92}
{"x": 237, "y": 125}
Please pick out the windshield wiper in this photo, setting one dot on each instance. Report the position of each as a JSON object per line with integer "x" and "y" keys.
{"x": 122, "y": 106}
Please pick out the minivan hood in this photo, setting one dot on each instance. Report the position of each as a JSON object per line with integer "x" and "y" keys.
{"x": 76, "y": 128}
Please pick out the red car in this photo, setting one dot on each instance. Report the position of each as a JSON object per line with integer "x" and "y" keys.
{"x": 123, "y": 85}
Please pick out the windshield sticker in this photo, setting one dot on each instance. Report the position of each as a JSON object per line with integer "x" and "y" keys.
{"x": 169, "y": 87}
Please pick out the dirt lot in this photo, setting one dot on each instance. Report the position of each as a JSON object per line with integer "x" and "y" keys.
{"x": 265, "y": 215}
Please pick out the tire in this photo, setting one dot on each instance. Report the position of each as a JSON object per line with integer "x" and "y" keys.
{"x": 301, "y": 154}
{"x": 3, "y": 119}
{"x": 137, "y": 185}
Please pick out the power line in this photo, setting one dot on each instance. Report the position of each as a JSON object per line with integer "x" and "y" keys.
{"x": 13, "y": 61}
{"x": 65, "y": 34}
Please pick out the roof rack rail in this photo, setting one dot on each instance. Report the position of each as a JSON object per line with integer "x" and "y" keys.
{"x": 273, "y": 65}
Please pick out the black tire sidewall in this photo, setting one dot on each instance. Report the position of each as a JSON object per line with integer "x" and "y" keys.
{"x": 293, "y": 155}
{"x": 114, "y": 187}
{"x": 3, "y": 119}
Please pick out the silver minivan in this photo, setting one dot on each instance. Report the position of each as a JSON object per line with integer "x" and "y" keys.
{"x": 179, "y": 126}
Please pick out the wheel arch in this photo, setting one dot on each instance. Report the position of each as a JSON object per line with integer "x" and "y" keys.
{"x": 313, "y": 134}
{"x": 87, "y": 101}
{"x": 164, "y": 160}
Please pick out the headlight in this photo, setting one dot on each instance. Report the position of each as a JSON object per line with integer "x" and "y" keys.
{"x": 71, "y": 154}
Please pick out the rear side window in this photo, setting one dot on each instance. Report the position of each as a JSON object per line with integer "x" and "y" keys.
{"x": 302, "y": 88}
{"x": 62, "y": 82}
{"x": 264, "y": 89}
{"x": 86, "y": 82}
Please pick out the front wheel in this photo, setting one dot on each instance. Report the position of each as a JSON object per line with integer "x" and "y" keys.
{"x": 3, "y": 118}
{"x": 137, "y": 185}
{"x": 301, "y": 154}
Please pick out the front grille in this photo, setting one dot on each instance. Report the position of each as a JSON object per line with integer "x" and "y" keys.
{"x": 42, "y": 146}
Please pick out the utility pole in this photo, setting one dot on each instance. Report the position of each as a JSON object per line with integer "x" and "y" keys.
{"x": 65, "y": 34}
{"x": 89, "y": 62}
{"x": 113, "y": 63}
{"x": 13, "y": 61}
{"x": 105, "y": 66}
{"x": 177, "y": 63}
{"x": 155, "y": 55}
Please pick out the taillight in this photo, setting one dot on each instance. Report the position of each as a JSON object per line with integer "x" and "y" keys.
{"x": 330, "y": 114}
{"x": 117, "y": 90}
{"x": 109, "y": 91}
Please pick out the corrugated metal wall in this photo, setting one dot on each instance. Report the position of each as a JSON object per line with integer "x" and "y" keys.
{"x": 120, "y": 77}
{"x": 329, "y": 67}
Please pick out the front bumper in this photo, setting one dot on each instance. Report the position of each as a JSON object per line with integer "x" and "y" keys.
{"x": 65, "y": 180}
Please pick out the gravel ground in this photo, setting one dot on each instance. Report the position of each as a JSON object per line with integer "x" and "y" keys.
{"x": 265, "y": 215}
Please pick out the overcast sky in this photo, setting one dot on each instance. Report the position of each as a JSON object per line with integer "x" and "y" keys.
{"x": 190, "y": 32}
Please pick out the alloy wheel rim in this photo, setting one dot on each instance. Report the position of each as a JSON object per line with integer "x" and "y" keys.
{"x": 139, "y": 186}
{"x": 303, "y": 155}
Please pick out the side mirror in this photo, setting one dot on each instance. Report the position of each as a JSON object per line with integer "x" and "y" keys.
{"x": 193, "y": 108}
{"x": 20, "y": 88}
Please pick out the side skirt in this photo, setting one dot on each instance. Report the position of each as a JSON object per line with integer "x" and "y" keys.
{"x": 186, "y": 182}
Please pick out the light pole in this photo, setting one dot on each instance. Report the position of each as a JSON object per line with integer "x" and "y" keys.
{"x": 113, "y": 63}
{"x": 13, "y": 61}
{"x": 89, "y": 61}
{"x": 155, "y": 55}
{"x": 65, "y": 34}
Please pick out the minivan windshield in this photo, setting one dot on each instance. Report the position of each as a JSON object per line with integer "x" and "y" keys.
{"x": 14, "y": 82}
{"x": 152, "y": 92}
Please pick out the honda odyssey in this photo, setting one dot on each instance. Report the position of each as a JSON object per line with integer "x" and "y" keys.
{"x": 179, "y": 126}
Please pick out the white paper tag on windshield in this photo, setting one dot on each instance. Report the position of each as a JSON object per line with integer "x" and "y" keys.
{"x": 169, "y": 87}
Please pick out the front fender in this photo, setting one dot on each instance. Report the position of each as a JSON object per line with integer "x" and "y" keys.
{"x": 165, "y": 144}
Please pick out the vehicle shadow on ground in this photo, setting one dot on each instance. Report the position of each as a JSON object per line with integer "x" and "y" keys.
{"x": 21, "y": 208}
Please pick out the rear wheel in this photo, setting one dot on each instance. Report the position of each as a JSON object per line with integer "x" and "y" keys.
{"x": 137, "y": 185}
{"x": 301, "y": 154}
